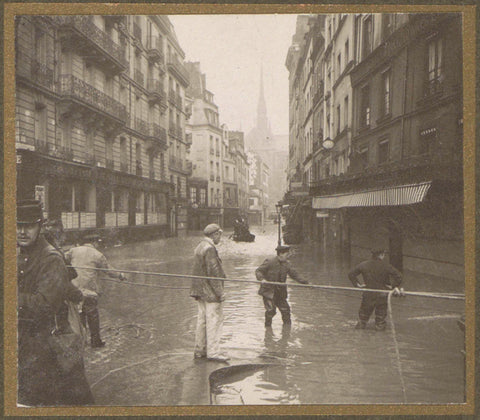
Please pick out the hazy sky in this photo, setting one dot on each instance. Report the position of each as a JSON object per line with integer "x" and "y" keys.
{"x": 231, "y": 50}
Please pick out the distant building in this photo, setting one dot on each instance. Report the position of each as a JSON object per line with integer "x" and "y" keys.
{"x": 242, "y": 168}
{"x": 206, "y": 149}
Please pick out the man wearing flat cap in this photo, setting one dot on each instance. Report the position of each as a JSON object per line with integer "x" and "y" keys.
{"x": 377, "y": 274}
{"x": 275, "y": 269}
{"x": 89, "y": 257}
{"x": 43, "y": 287}
{"x": 209, "y": 294}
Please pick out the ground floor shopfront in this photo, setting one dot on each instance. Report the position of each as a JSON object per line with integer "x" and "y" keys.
{"x": 420, "y": 226}
{"x": 119, "y": 206}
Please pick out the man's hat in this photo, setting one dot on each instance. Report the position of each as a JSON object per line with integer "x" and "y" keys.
{"x": 29, "y": 211}
{"x": 211, "y": 229}
{"x": 282, "y": 248}
{"x": 377, "y": 251}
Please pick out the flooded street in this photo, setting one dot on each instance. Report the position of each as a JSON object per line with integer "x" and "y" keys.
{"x": 149, "y": 330}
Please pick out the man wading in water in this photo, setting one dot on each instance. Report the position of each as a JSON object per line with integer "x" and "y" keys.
{"x": 275, "y": 269}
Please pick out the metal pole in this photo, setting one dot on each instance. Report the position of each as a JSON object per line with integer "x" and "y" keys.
{"x": 279, "y": 227}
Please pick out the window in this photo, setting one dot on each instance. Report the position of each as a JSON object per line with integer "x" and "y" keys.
{"x": 338, "y": 119}
{"x": 367, "y": 37}
{"x": 211, "y": 197}
{"x": 435, "y": 64}
{"x": 386, "y": 92}
{"x": 151, "y": 167}
{"x": 347, "y": 52}
{"x": 41, "y": 122}
{"x": 363, "y": 157}
{"x": 345, "y": 112}
{"x": 383, "y": 151}
{"x": 179, "y": 186}
{"x": 428, "y": 138}
{"x": 40, "y": 50}
{"x": 203, "y": 195}
{"x": 123, "y": 153}
{"x": 365, "y": 107}
{"x": 388, "y": 22}
{"x": 339, "y": 64}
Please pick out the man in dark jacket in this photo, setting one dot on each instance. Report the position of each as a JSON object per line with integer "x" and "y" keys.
{"x": 209, "y": 295}
{"x": 275, "y": 269}
{"x": 377, "y": 274}
{"x": 43, "y": 286}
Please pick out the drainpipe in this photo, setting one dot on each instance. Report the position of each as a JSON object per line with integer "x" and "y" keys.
{"x": 404, "y": 106}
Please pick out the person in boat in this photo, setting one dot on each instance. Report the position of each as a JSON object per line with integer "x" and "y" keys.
{"x": 275, "y": 269}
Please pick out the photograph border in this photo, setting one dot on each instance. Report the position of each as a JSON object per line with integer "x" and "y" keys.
{"x": 9, "y": 182}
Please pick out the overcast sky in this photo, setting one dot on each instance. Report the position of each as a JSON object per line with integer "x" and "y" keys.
{"x": 231, "y": 50}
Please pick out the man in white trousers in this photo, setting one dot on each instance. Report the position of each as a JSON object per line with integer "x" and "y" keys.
{"x": 209, "y": 295}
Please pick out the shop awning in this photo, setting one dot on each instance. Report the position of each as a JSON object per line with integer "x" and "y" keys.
{"x": 394, "y": 196}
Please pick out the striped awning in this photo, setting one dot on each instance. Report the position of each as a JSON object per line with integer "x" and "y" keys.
{"x": 394, "y": 196}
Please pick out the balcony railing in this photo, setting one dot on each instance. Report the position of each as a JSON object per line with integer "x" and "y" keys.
{"x": 98, "y": 39}
{"x": 176, "y": 163}
{"x": 141, "y": 126}
{"x": 156, "y": 92}
{"x": 158, "y": 134}
{"x": 176, "y": 66}
{"x": 41, "y": 74}
{"x": 70, "y": 87}
{"x": 155, "y": 49}
{"x": 138, "y": 77}
{"x": 61, "y": 152}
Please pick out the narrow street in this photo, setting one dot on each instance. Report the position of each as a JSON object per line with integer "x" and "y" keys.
{"x": 149, "y": 332}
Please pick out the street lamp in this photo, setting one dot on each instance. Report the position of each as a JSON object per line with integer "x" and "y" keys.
{"x": 278, "y": 207}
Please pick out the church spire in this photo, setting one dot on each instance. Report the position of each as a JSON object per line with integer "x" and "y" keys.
{"x": 262, "y": 119}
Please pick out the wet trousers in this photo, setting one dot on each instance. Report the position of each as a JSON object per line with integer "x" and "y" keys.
{"x": 209, "y": 329}
{"x": 270, "y": 309}
{"x": 90, "y": 316}
{"x": 377, "y": 302}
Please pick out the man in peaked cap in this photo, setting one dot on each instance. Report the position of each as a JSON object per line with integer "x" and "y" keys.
{"x": 275, "y": 269}
{"x": 377, "y": 274}
{"x": 43, "y": 286}
{"x": 209, "y": 294}
{"x": 89, "y": 257}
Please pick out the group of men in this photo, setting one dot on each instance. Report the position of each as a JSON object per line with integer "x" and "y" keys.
{"x": 46, "y": 286}
{"x": 210, "y": 296}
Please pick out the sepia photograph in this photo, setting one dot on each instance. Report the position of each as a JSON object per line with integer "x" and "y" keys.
{"x": 240, "y": 208}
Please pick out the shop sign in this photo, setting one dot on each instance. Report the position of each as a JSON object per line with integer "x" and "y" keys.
{"x": 321, "y": 214}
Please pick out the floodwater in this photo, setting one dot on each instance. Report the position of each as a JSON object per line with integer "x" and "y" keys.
{"x": 149, "y": 330}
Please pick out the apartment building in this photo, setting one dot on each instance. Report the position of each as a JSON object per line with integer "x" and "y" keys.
{"x": 92, "y": 121}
